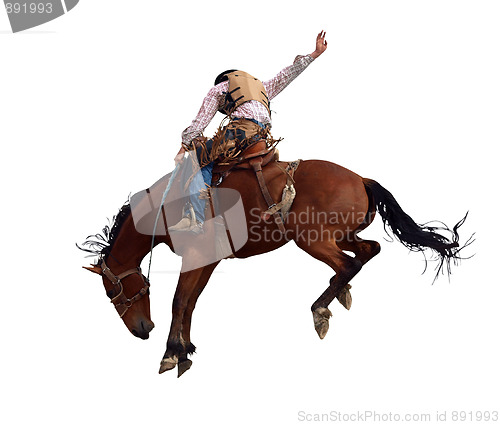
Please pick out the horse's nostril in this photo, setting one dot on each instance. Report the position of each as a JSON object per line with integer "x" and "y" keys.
{"x": 147, "y": 326}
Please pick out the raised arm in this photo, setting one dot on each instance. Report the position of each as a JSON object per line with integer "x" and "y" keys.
{"x": 275, "y": 85}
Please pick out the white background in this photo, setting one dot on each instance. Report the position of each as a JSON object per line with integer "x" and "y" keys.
{"x": 91, "y": 109}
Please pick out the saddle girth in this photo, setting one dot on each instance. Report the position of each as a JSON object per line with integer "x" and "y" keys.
{"x": 256, "y": 164}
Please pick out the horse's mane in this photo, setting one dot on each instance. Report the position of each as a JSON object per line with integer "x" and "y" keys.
{"x": 102, "y": 243}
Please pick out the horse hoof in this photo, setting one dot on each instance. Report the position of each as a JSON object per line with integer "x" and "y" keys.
{"x": 345, "y": 297}
{"x": 168, "y": 364}
{"x": 183, "y": 366}
{"x": 321, "y": 316}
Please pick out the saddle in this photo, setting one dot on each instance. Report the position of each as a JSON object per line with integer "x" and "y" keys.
{"x": 242, "y": 162}
{"x": 255, "y": 158}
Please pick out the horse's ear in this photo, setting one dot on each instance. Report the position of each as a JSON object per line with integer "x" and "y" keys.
{"x": 94, "y": 269}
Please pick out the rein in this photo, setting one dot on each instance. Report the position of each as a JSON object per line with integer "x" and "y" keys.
{"x": 167, "y": 189}
{"x": 120, "y": 301}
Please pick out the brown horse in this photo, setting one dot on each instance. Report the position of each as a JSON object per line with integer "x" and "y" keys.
{"x": 332, "y": 205}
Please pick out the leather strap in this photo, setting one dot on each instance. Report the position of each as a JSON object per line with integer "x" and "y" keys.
{"x": 120, "y": 301}
{"x": 256, "y": 164}
{"x": 273, "y": 209}
{"x": 289, "y": 172}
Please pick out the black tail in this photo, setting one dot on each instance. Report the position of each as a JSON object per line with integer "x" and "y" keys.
{"x": 414, "y": 236}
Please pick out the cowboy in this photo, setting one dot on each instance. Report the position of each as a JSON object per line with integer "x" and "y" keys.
{"x": 247, "y": 106}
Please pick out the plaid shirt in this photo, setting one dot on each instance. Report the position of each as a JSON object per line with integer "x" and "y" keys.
{"x": 251, "y": 109}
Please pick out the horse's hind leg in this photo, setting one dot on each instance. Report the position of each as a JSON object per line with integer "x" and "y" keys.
{"x": 363, "y": 251}
{"x": 345, "y": 268}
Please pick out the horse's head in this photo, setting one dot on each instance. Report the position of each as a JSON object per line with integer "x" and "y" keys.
{"x": 129, "y": 293}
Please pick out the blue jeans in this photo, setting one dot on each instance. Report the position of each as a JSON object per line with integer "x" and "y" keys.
{"x": 205, "y": 179}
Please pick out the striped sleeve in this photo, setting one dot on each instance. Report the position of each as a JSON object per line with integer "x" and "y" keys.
{"x": 275, "y": 85}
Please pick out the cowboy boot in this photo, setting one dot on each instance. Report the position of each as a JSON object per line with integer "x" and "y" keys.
{"x": 181, "y": 226}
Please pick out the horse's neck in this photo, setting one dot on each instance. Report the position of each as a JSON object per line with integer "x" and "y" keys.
{"x": 130, "y": 246}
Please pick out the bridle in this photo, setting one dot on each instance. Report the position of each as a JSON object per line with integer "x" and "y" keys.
{"x": 120, "y": 301}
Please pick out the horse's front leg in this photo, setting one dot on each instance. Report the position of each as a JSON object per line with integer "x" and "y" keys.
{"x": 176, "y": 346}
{"x": 189, "y": 288}
{"x": 185, "y": 363}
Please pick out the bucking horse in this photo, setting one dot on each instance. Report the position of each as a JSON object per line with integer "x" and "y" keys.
{"x": 331, "y": 205}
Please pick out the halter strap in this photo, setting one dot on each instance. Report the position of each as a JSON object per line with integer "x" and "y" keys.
{"x": 120, "y": 301}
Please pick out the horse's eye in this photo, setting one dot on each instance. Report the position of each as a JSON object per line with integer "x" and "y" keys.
{"x": 109, "y": 293}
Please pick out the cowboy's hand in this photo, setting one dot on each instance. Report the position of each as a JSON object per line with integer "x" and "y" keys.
{"x": 321, "y": 45}
{"x": 180, "y": 155}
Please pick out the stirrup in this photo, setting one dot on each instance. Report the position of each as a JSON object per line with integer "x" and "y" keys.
{"x": 190, "y": 224}
{"x": 187, "y": 222}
